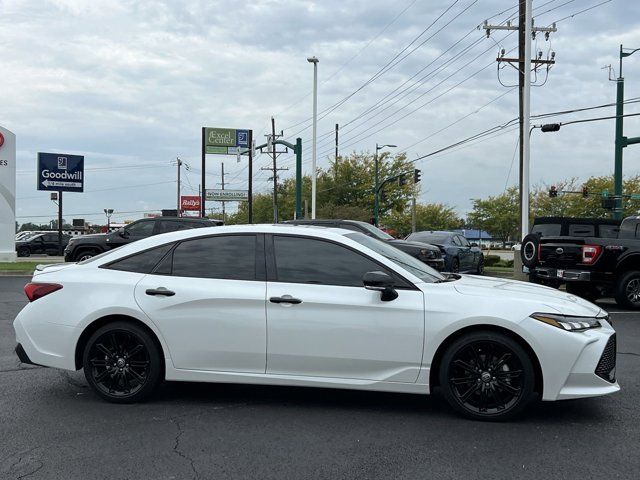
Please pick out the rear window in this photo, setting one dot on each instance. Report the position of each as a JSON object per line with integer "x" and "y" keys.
{"x": 142, "y": 262}
{"x": 547, "y": 229}
{"x": 577, "y": 230}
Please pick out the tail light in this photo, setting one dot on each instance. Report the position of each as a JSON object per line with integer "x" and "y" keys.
{"x": 590, "y": 254}
{"x": 34, "y": 291}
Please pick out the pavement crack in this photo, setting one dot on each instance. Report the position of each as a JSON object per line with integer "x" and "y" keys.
{"x": 37, "y": 469}
{"x": 182, "y": 454}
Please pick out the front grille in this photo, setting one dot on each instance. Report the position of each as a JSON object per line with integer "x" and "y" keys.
{"x": 607, "y": 365}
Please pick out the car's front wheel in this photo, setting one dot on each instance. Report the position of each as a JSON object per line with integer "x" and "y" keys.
{"x": 627, "y": 291}
{"x": 122, "y": 363}
{"x": 455, "y": 265}
{"x": 487, "y": 376}
{"x": 24, "y": 252}
{"x": 86, "y": 254}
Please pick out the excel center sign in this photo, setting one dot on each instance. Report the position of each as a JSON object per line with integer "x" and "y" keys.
{"x": 226, "y": 141}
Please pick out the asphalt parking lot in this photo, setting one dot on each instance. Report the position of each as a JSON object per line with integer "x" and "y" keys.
{"x": 53, "y": 427}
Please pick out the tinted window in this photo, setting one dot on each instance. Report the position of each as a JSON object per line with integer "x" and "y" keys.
{"x": 306, "y": 260}
{"x": 231, "y": 257}
{"x": 165, "y": 226}
{"x": 350, "y": 226}
{"x": 463, "y": 241}
{"x": 142, "y": 262}
{"x": 547, "y": 229}
{"x": 427, "y": 237}
{"x": 456, "y": 240}
{"x": 609, "y": 231}
{"x": 140, "y": 229}
{"x": 374, "y": 231}
{"x": 397, "y": 256}
{"x": 576, "y": 230}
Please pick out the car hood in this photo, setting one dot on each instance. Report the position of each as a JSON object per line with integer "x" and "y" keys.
{"x": 551, "y": 298}
{"x": 409, "y": 243}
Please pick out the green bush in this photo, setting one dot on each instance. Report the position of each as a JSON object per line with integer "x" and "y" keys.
{"x": 491, "y": 260}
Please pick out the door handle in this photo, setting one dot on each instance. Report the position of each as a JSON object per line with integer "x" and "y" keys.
{"x": 285, "y": 299}
{"x": 160, "y": 291}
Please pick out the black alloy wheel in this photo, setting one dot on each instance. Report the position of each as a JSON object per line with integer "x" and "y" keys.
{"x": 85, "y": 255}
{"x": 487, "y": 376}
{"x": 122, "y": 363}
{"x": 627, "y": 292}
{"x": 24, "y": 252}
{"x": 455, "y": 265}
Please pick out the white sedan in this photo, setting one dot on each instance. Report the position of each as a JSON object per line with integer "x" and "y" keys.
{"x": 311, "y": 306}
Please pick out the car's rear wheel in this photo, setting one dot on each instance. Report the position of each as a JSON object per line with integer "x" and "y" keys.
{"x": 86, "y": 255}
{"x": 122, "y": 362}
{"x": 487, "y": 376}
{"x": 24, "y": 252}
{"x": 627, "y": 291}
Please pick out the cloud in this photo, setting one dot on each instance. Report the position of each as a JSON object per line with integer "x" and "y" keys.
{"x": 132, "y": 82}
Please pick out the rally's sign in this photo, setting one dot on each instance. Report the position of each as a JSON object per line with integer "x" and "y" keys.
{"x": 219, "y": 195}
{"x": 190, "y": 203}
{"x": 60, "y": 172}
{"x": 226, "y": 141}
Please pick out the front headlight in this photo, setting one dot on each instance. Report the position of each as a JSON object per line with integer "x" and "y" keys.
{"x": 426, "y": 253}
{"x": 568, "y": 322}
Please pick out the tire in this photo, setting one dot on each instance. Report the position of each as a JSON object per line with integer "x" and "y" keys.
{"x": 529, "y": 250}
{"x": 86, "y": 254}
{"x": 24, "y": 252}
{"x": 487, "y": 376}
{"x": 588, "y": 292}
{"x": 122, "y": 363}
{"x": 455, "y": 265}
{"x": 627, "y": 290}
{"x": 480, "y": 269}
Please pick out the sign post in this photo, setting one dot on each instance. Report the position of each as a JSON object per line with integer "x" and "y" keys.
{"x": 7, "y": 196}
{"x": 60, "y": 172}
{"x": 227, "y": 141}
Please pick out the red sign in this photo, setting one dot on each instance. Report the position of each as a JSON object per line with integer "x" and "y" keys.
{"x": 190, "y": 203}
{"x": 1, "y": 139}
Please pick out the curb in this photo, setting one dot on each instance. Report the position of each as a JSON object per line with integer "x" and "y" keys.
{"x": 17, "y": 273}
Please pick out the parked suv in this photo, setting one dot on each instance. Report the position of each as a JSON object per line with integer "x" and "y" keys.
{"x": 87, "y": 246}
{"x": 594, "y": 260}
{"x": 458, "y": 254}
{"x": 422, "y": 251}
{"x": 40, "y": 244}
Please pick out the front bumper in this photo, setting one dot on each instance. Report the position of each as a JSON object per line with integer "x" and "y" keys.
{"x": 547, "y": 273}
{"x": 437, "y": 263}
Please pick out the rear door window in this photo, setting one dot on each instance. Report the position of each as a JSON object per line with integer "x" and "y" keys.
{"x": 142, "y": 262}
{"x": 578, "y": 230}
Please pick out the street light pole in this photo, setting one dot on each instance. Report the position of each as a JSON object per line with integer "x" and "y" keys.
{"x": 376, "y": 181}
{"x": 315, "y": 61}
{"x": 108, "y": 212}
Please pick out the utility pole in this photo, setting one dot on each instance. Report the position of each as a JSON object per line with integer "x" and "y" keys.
{"x": 271, "y": 142}
{"x": 335, "y": 166}
{"x": 224, "y": 218}
{"x": 178, "y": 209}
{"x": 526, "y": 31}
{"x": 413, "y": 214}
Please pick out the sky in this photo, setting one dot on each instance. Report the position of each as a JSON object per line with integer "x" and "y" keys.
{"x": 129, "y": 84}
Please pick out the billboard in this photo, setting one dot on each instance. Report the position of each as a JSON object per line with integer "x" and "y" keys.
{"x": 219, "y": 195}
{"x": 190, "y": 203}
{"x": 60, "y": 172}
{"x": 225, "y": 141}
{"x": 7, "y": 195}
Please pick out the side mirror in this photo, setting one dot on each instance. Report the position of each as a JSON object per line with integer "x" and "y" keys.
{"x": 380, "y": 282}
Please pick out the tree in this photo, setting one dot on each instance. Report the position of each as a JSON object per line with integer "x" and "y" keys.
{"x": 499, "y": 215}
{"x": 429, "y": 216}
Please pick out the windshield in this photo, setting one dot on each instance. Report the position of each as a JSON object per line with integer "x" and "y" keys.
{"x": 376, "y": 232}
{"x": 404, "y": 260}
{"x": 433, "y": 238}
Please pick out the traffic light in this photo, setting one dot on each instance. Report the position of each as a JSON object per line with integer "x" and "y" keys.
{"x": 553, "y": 191}
{"x": 585, "y": 191}
{"x": 416, "y": 175}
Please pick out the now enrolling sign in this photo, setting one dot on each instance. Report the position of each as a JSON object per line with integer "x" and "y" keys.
{"x": 219, "y": 195}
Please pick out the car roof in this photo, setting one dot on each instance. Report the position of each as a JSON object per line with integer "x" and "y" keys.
{"x": 320, "y": 220}
{"x": 439, "y": 232}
